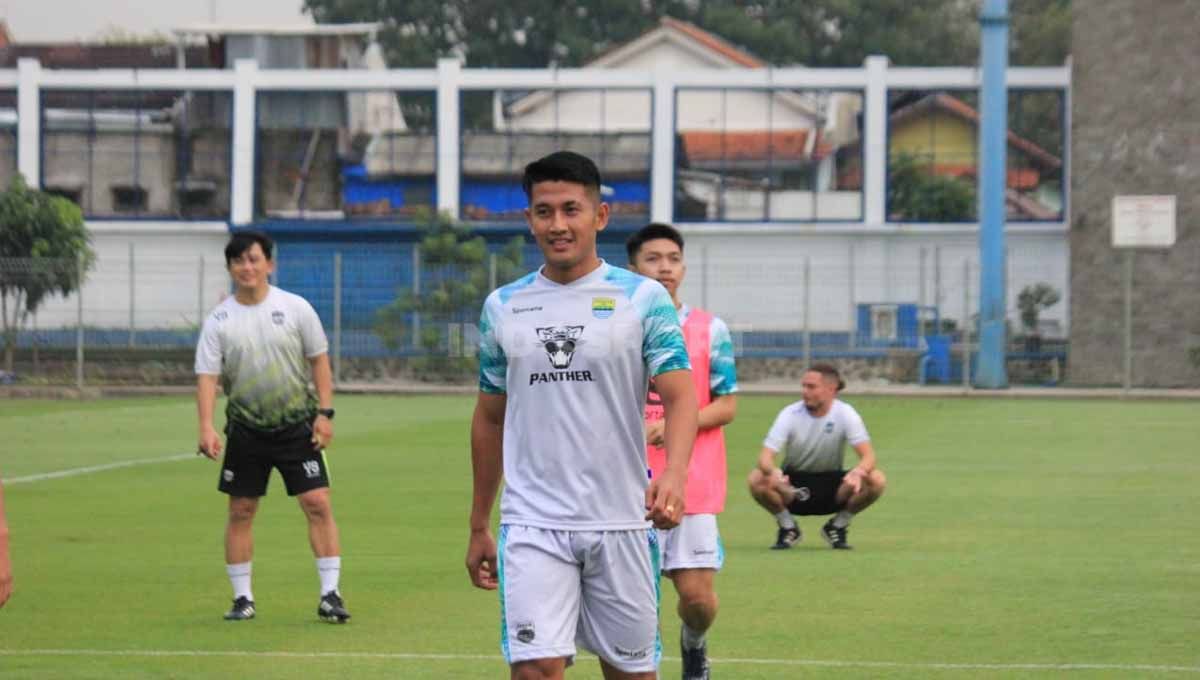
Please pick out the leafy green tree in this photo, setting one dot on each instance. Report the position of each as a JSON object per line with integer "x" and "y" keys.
{"x": 1032, "y": 300}
{"x": 534, "y": 33}
{"x": 514, "y": 33}
{"x": 915, "y": 193}
{"x": 43, "y": 243}
{"x": 457, "y": 275}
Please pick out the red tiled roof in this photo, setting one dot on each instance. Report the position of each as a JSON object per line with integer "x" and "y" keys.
{"x": 713, "y": 145}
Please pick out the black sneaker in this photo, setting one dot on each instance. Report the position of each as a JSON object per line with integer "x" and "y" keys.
{"x": 332, "y": 609}
{"x": 787, "y": 537}
{"x": 836, "y": 537}
{"x": 695, "y": 662}
{"x": 243, "y": 610}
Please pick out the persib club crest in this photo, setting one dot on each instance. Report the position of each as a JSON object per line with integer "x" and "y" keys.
{"x": 277, "y": 317}
{"x": 603, "y": 307}
{"x": 829, "y": 428}
{"x": 559, "y": 343}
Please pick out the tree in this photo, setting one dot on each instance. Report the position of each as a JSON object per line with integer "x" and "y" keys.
{"x": 533, "y": 33}
{"x": 456, "y": 278}
{"x": 1032, "y": 300}
{"x": 514, "y": 33}
{"x": 44, "y": 250}
{"x": 915, "y": 193}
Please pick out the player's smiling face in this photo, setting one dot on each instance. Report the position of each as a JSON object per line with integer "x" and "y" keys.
{"x": 564, "y": 218}
{"x": 662, "y": 260}
{"x": 251, "y": 270}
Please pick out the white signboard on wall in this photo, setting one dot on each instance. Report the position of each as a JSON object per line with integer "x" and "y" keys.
{"x": 1143, "y": 221}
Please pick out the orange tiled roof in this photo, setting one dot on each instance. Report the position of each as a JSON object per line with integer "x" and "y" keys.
{"x": 714, "y": 145}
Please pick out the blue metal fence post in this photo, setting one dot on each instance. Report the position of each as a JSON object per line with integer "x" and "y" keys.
{"x": 993, "y": 19}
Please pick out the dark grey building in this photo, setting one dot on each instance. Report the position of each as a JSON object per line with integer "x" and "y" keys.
{"x": 1135, "y": 130}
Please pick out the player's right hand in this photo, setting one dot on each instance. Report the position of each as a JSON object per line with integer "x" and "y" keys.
{"x": 481, "y": 560}
{"x": 210, "y": 443}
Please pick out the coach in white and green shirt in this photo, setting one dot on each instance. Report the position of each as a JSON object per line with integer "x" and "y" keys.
{"x": 262, "y": 344}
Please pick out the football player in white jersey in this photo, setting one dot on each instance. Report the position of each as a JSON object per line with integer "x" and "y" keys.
{"x": 262, "y": 344}
{"x": 566, "y": 354}
{"x": 812, "y": 435}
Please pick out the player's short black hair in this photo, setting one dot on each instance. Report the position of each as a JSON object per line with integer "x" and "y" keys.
{"x": 650, "y": 232}
{"x": 829, "y": 372}
{"x": 242, "y": 241}
{"x": 563, "y": 166}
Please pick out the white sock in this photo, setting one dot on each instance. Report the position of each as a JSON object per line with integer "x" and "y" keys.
{"x": 842, "y": 519}
{"x": 785, "y": 519}
{"x": 329, "y": 569}
{"x": 239, "y": 577}
{"x": 690, "y": 638}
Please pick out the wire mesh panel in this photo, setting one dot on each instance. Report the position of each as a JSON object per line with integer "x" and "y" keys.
{"x": 503, "y": 130}
{"x": 767, "y": 155}
{"x": 8, "y": 137}
{"x": 139, "y": 153}
{"x": 351, "y": 154}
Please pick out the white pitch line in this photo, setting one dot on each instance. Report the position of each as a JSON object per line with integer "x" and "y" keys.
{"x": 73, "y": 472}
{"x": 722, "y": 661}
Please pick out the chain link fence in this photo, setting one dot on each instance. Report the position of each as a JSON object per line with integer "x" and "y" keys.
{"x": 906, "y": 316}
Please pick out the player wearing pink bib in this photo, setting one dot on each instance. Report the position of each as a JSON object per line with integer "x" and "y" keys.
{"x": 692, "y": 552}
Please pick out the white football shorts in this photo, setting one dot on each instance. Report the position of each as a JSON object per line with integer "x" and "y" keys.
{"x": 597, "y": 589}
{"x": 694, "y": 544}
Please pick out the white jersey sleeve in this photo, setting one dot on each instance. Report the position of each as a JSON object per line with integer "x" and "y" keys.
{"x": 854, "y": 427}
{"x": 780, "y": 432}
{"x": 208, "y": 350}
{"x": 722, "y": 377}
{"x": 663, "y": 348}
{"x": 312, "y": 333}
{"x": 493, "y": 364}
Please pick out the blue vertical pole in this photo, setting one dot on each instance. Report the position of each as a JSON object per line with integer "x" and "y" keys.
{"x": 993, "y": 100}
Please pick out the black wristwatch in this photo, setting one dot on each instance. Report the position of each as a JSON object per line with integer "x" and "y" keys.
{"x": 327, "y": 412}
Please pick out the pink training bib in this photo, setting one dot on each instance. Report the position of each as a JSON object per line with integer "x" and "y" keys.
{"x": 706, "y": 471}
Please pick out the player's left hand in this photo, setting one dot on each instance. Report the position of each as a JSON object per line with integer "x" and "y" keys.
{"x": 322, "y": 429}
{"x": 656, "y": 432}
{"x": 664, "y": 501}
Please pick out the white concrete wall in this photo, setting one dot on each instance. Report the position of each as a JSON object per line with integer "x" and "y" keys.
{"x": 167, "y": 290}
{"x": 755, "y": 280}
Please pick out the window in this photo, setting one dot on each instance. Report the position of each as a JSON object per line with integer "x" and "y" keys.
{"x": 128, "y": 198}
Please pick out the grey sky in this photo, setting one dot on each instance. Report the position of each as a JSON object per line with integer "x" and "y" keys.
{"x": 62, "y": 20}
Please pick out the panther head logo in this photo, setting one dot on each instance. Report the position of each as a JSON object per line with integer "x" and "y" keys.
{"x": 559, "y": 343}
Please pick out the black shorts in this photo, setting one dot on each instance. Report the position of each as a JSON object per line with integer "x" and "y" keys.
{"x": 816, "y": 492}
{"x": 250, "y": 454}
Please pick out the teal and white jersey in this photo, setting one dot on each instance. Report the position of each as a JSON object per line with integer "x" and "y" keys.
{"x": 722, "y": 368}
{"x": 574, "y": 361}
{"x": 811, "y": 444}
{"x": 261, "y": 353}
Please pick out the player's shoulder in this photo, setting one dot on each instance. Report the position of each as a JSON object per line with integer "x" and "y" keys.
{"x": 289, "y": 299}
{"x": 631, "y": 284}
{"x": 793, "y": 411}
{"x": 221, "y": 313}
{"x": 845, "y": 410}
{"x": 501, "y": 295}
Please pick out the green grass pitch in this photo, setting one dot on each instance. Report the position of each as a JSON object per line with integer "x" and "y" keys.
{"x": 1017, "y": 539}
